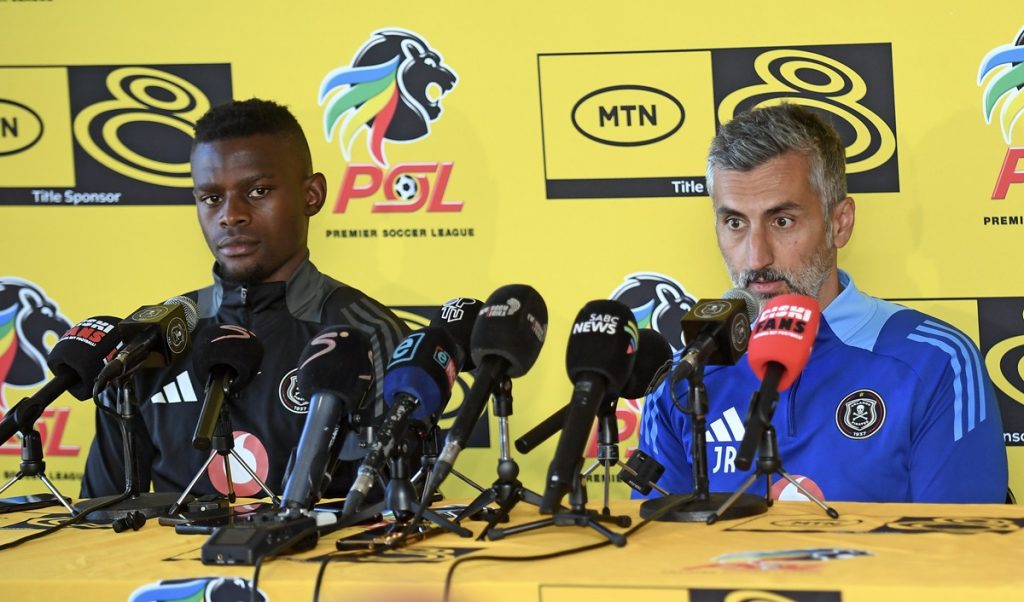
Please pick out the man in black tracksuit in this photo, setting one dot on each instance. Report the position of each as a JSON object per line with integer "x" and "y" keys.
{"x": 255, "y": 192}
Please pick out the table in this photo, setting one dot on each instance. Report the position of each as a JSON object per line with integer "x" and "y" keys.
{"x": 794, "y": 552}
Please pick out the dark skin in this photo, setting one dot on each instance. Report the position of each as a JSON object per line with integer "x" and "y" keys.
{"x": 254, "y": 197}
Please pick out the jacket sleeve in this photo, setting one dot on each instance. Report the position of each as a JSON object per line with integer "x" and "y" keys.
{"x": 661, "y": 428}
{"x": 957, "y": 450}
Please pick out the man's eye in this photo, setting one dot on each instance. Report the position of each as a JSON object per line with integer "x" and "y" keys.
{"x": 209, "y": 200}
{"x": 733, "y": 223}
{"x": 258, "y": 192}
{"x": 783, "y": 222}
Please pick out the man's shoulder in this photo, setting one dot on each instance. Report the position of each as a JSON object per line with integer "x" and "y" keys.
{"x": 926, "y": 342}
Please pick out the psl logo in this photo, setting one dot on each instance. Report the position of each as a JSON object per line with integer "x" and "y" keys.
{"x": 27, "y": 318}
{"x": 1005, "y": 78}
{"x": 393, "y": 90}
{"x": 657, "y": 302}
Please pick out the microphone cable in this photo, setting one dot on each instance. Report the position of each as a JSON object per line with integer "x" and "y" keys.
{"x": 449, "y": 576}
{"x": 80, "y": 517}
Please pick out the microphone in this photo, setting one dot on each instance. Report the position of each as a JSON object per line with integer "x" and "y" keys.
{"x": 335, "y": 374}
{"x": 457, "y": 316}
{"x": 417, "y": 384}
{"x": 599, "y": 360}
{"x": 75, "y": 361}
{"x": 156, "y": 335}
{"x": 780, "y": 345}
{"x": 227, "y": 357}
{"x": 505, "y": 342}
{"x": 652, "y": 358}
{"x": 716, "y": 332}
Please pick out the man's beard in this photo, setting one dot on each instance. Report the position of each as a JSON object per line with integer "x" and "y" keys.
{"x": 807, "y": 281}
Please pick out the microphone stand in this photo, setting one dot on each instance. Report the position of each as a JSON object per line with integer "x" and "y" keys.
{"x": 400, "y": 494}
{"x": 430, "y": 451}
{"x": 32, "y": 462}
{"x": 149, "y": 504}
{"x": 608, "y": 450}
{"x": 768, "y": 463}
{"x": 223, "y": 443}
{"x": 507, "y": 490}
{"x": 699, "y": 505}
{"x": 577, "y": 515}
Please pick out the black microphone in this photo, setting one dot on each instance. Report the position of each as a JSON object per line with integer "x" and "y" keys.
{"x": 155, "y": 335}
{"x": 716, "y": 332}
{"x": 506, "y": 340}
{"x": 227, "y": 357}
{"x": 653, "y": 357}
{"x": 599, "y": 360}
{"x": 75, "y": 361}
{"x": 458, "y": 316}
{"x": 335, "y": 374}
{"x": 417, "y": 385}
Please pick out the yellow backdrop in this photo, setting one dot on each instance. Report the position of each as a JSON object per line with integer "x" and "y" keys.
{"x": 555, "y": 144}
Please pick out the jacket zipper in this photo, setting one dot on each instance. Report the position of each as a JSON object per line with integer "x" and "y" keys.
{"x": 791, "y": 414}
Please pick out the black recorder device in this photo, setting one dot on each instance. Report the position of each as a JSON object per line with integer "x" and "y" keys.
{"x": 246, "y": 545}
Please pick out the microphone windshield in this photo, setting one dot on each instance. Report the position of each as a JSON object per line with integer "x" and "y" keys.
{"x": 653, "y": 354}
{"x": 458, "y": 316}
{"x": 84, "y": 350}
{"x": 753, "y": 306}
{"x": 784, "y": 333}
{"x": 338, "y": 360}
{"x": 511, "y": 325}
{"x": 230, "y": 346}
{"x": 604, "y": 341}
{"x": 423, "y": 367}
{"x": 189, "y": 307}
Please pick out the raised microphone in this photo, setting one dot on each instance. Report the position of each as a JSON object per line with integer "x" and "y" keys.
{"x": 417, "y": 385}
{"x": 780, "y": 345}
{"x": 76, "y": 360}
{"x": 154, "y": 336}
{"x": 457, "y": 316}
{"x": 227, "y": 357}
{"x": 335, "y": 374}
{"x": 716, "y": 331}
{"x": 506, "y": 340}
{"x": 599, "y": 359}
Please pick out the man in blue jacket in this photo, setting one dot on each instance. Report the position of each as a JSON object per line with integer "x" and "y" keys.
{"x": 893, "y": 406}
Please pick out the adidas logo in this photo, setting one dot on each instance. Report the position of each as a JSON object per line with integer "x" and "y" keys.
{"x": 727, "y": 429}
{"x": 177, "y": 391}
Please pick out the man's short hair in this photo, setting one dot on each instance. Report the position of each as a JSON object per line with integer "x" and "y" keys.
{"x": 757, "y": 136}
{"x": 244, "y": 118}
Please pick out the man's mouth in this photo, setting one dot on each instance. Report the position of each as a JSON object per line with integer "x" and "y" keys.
{"x": 236, "y": 246}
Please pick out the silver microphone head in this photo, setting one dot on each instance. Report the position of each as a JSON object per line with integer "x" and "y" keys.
{"x": 753, "y": 305}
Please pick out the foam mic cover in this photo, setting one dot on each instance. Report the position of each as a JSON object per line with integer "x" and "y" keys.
{"x": 784, "y": 333}
{"x": 751, "y": 304}
{"x": 603, "y": 341}
{"x": 338, "y": 360}
{"x": 511, "y": 325}
{"x": 422, "y": 367}
{"x": 229, "y": 346}
{"x": 83, "y": 350}
{"x": 653, "y": 355}
{"x": 458, "y": 316}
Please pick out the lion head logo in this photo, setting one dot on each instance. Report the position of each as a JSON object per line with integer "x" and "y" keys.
{"x": 27, "y": 316}
{"x": 393, "y": 87}
{"x": 658, "y": 302}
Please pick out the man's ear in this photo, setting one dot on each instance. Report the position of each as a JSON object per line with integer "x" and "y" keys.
{"x": 843, "y": 218}
{"x": 315, "y": 193}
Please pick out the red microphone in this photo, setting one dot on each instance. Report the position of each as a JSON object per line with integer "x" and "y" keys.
{"x": 780, "y": 345}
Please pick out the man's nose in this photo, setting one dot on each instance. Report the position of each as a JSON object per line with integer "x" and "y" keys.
{"x": 759, "y": 250}
{"x": 235, "y": 212}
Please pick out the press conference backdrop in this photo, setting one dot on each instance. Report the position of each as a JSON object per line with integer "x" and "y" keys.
{"x": 555, "y": 144}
